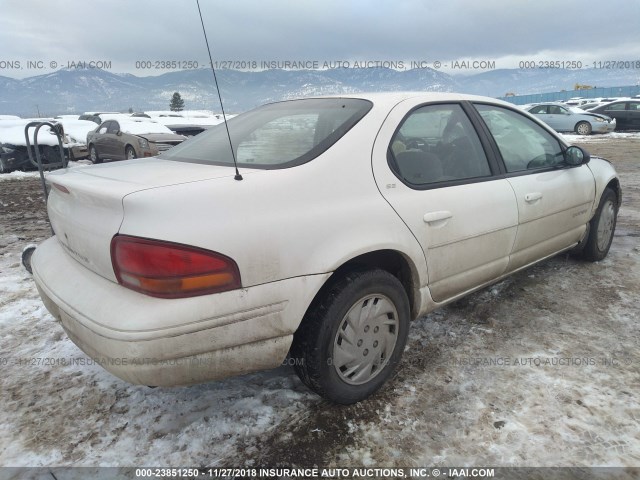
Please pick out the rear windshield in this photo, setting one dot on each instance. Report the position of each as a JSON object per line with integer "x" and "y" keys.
{"x": 277, "y": 135}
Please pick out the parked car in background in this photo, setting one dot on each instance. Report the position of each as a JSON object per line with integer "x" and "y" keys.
{"x": 588, "y": 106}
{"x": 128, "y": 138}
{"x": 95, "y": 116}
{"x": 564, "y": 118}
{"x": 13, "y": 147}
{"x": 351, "y": 216}
{"x": 186, "y": 122}
{"x": 625, "y": 112}
{"x": 576, "y": 101}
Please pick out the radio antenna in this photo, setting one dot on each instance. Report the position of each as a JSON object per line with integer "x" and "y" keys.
{"x": 215, "y": 79}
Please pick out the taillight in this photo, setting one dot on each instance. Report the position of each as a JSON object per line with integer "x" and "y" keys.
{"x": 171, "y": 270}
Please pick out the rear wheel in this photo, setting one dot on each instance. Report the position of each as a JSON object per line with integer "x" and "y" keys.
{"x": 130, "y": 152}
{"x": 602, "y": 227}
{"x": 93, "y": 155}
{"x": 353, "y": 336}
{"x": 583, "y": 128}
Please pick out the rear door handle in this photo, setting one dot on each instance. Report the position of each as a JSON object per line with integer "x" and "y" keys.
{"x": 438, "y": 218}
{"x": 532, "y": 197}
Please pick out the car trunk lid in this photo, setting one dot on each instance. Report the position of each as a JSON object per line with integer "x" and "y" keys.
{"x": 86, "y": 204}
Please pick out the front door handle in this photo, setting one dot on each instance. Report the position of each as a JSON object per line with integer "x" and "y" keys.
{"x": 437, "y": 219}
{"x": 532, "y": 197}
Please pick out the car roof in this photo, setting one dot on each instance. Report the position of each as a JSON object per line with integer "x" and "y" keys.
{"x": 393, "y": 98}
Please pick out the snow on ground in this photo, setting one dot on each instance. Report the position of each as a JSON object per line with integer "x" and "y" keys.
{"x": 18, "y": 174}
{"x": 605, "y": 137}
{"x": 541, "y": 369}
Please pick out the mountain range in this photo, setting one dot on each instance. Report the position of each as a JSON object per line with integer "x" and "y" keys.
{"x": 77, "y": 90}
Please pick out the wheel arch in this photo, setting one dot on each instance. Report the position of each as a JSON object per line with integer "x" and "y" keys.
{"x": 605, "y": 176}
{"x": 614, "y": 184}
{"x": 393, "y": 261}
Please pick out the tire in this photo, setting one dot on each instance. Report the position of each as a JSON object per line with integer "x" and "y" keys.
{"x": 129, "y": 153}
{"x": 93, "y": 155}
{"x": 334, "y": 334}
{"x": 583, "y": 128}
{"x": 601, "y": 228}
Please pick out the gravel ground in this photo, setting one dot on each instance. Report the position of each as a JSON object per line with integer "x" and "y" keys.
{"x": 539, "y": 370}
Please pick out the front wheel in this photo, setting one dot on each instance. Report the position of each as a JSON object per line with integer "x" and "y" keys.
{"x": 129, "y": 152}
{"x": 93, "y": 155}
{"x": 353, "y": 336}
{"x": 583, "y": 128}
{"x": 601, "y": 228}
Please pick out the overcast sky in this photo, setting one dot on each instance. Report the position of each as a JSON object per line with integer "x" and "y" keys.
{"x": 123, "y": 32}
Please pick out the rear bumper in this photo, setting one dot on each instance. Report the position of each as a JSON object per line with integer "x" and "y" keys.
{"x": 153, "y": 341}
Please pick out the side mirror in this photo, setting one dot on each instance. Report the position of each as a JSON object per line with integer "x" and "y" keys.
{"x": 575, "y": 156}
{"x": 119, "y": 133}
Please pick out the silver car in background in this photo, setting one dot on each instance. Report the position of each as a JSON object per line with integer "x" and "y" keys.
{"x": 565, "y": 118}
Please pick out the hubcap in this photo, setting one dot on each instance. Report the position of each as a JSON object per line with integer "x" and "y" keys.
{"x": 94, "y": 157}
{"x": 130, "y": 154}
{"x": 365, "y": 339}
{"x": 605, "y": 225}
{"x": 583, "y": 129}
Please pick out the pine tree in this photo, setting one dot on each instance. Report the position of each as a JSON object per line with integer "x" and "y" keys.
{"x": 177, "y": 104}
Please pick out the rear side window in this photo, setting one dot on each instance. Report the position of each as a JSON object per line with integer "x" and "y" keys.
{"x": 437, "y": 143}
{"x": 523, "y": 144}
{"x": 616, "y": 106}
{"x": 278, "y": 135}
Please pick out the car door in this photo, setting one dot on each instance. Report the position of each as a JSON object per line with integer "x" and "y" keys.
{"x": 633, "y": 112}
{"x": 618, "y": 110}
{"x": 560, "y": 119}
{"x": 434, "y": 170}
{"x": 542, "y": 112}
{"x": 554, "y": 199}
{"x": 112, "y": 141}
{"x": 100, "y": 139}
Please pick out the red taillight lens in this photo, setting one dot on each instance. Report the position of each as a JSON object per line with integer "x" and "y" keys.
{"x": 171, "y": 270}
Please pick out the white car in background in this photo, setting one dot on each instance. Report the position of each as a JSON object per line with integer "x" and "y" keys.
{"x": 348, "y": 218}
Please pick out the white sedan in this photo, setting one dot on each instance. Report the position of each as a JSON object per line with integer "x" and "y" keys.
{"x": 350, "y": 217}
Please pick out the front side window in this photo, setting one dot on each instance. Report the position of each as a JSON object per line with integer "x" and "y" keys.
{"x": 539, "y": 110}
{"x": 278, "y": 135}
{"x": 635, "y": 106}
{"x": 113, "y": 128}
{"x": 523, "y": 144}
{"x": 102, "y": 129}
{"x": 437, "y": 143}
{"x": 557, "y": 110}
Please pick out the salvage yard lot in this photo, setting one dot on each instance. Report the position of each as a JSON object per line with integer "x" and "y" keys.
{"x": 542, "y": 369}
